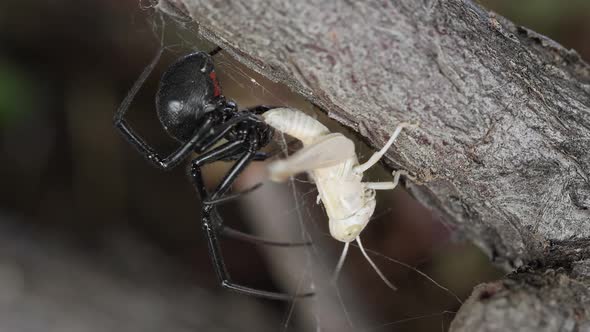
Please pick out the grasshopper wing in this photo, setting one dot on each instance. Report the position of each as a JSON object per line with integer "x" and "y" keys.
{"x": 329, "y": 150}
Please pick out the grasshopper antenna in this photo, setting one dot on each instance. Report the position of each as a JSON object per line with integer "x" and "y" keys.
{"x": 387, "y": 282}
{"x": 340, "y": 262}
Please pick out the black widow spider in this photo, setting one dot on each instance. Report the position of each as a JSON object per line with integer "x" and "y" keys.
{"x": 193, "y": 111}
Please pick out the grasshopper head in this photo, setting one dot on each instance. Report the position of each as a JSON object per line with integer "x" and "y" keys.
{"x": 348, "y": 229}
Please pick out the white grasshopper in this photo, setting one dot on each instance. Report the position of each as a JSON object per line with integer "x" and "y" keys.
{"x": 331, "y": 162}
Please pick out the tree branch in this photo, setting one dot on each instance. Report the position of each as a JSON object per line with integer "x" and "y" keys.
{"x": 505, "y": 122}
{"x": 556, "y": 300}
{"x": 501, "y": 152}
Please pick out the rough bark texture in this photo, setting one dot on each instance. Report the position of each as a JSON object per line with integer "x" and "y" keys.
{"x": 501, "y": 151}
{"x": 557, "y": 300}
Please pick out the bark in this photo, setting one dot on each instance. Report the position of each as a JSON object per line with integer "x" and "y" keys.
{"x": 557, "y": 300}
{"x": 501, "y": 151}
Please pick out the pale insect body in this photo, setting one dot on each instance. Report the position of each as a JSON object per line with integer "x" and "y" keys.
{"x": 331, "y": 162}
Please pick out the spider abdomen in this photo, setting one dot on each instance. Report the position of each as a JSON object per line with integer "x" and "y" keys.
{"x": 188, "y": 90}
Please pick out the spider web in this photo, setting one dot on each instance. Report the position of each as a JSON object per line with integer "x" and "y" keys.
{"x": 314, "y": 266}
{"x": 302, "y": 210}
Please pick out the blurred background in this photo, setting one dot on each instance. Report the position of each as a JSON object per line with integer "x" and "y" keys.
{"x": 93, "y": 238}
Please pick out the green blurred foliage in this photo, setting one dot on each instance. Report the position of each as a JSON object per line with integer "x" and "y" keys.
{"x": 15, "y": 93}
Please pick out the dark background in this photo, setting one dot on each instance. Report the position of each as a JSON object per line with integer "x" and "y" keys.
{"x": 94, "y": 239}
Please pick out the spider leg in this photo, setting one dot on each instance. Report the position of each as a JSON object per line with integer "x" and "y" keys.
{"x": 149, "y": 153}
{"x": 236, "y": 169}
{"x": 220, "y": 131}
{"x": 213, "y": 225}
{"x": 214, "y": 52}
{"x": 220, "y": 153}
{"x": 223, "y": 274}
{"x": 197, "y": 178}
{"x": 259, "y": 109}
{"x": 146, "y": 150}
{"x": 259, "y": 156}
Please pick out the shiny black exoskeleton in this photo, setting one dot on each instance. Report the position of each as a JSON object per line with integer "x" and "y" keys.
{"x": 193, "y": 111}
